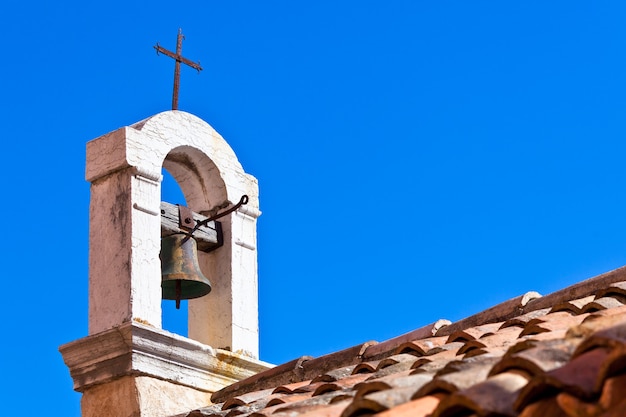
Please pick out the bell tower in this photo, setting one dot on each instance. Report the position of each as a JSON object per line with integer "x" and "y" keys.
{"x": 128, "y": 365}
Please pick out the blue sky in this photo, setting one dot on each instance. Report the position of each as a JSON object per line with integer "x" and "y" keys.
{"x": 417, "y": 160}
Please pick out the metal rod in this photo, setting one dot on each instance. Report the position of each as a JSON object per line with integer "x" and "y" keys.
{"x": 199, "y": 223}
{"x": 178, "y": 57}
{"x": 179, "y": 291}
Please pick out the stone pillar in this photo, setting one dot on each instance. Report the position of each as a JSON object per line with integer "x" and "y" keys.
{"x": 124, "y": 246}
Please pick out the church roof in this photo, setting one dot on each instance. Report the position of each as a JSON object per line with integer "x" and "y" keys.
{"x": 563, "y": 354}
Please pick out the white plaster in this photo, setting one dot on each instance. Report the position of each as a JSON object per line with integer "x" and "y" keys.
{"x": 128, "y": 365}
{"x": 124, "y": 168}
{"x": 137, "y": 349}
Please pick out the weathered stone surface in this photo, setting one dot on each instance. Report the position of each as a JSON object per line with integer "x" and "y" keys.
{"x": 128, "y": 365}
{"x": 124, "y": 168}
{"x": 132, "y": 396}
{"x": 137, "y": 349}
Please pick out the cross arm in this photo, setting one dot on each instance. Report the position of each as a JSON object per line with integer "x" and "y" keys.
{"x": 178, "y": 57}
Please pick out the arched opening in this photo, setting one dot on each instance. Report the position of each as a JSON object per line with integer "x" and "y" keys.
{"x": 173, "y": 320}
{"x": 190, "y": 178}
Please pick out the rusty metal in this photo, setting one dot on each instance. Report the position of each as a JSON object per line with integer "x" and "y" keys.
{"x": 199, "y": 223}
{"x": 178, "y": 58}
{"x": 181, "y": 277}
{"x": 185, "y": 218}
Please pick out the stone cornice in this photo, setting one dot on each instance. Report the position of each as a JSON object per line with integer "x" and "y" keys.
{"x": 138, "y": 349}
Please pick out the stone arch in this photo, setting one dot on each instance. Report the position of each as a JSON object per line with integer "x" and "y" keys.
{"x": 125, "y": 170}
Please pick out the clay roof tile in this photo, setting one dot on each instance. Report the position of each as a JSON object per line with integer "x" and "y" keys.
{"x": 420, "y": 407}
{"x": 559, "y": 355}
{"x": 543, "y": 407}
{"x": 459, "y": 374}
{"x": 378, "y": 401}
{"x": 335, "y": 374}
{"x": 573, "y": 306}
{"x": 578, "y": 377}
{"x": 422, "y": 347}
{"x": 494, "y": 396}
{"x": 603, "y": 303}
{"x": 290, "y": 388}
{"x": 521, "y": 320}
{"x": 283, "y": 374}
{"x": 314, "y": 367}
{"x": 616, "y": 288}
{"x": 613, "y": 392}
{"x": 385, "y": 348}
{"x": 340, "y": 384}
{"x": 473, "y": 333}
{"x": 499, "y": 313}
{"x": 537, "y": 358}
{"x": 554, "y": 321}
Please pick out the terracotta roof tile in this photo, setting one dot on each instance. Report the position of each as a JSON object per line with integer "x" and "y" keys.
{"x": 283, "y": 374}
{"x": 340, "y": 384}
{"x": 332, "y": 410}
{"x": 618, "y": 411}
{"x": 335, "y": 374}
{"x": 289, "y": 388}
{"x": 444, "y": 353}
{"x": 212, "y": 410}
{"x": 573, "y": 306}
{"x": 474, "y": 333}
{"x": 248, "y": 398}
{"x": 396, "y": 369}
{"x": 547, "y": 407}
{"x": 500, "y": 312}
{"x": 574, "y": 406}
{"x": 577, "y": 377}
{"x": 351, "y": 356}
{"x": 615, "y": 288}
{"x": 610, "y": 332}
{"x": 285, "y": 399}
{"x": 366, "y": 367}
{"x": 553, "y": 321}
{"x": 459, "y": 374}
{"x": 421, "y": 407}
{"x": 401, "y": 381}
{"x": 559, "y": 355}
{"x": 491, "y": 342}
{"x": 307, "y": 403}
{"x": 424, "y": 365}
{"x": 613, "y": 392}
{"x": 382, "y": 349}
{"x": 379, "y": 401}
{"x": 402, "y": 358}
{"x": 520, "y": 321}
{"x": 536, "y": 358}
{"x": 494, "y": 396}
{"x": 582, "y": 289}
{"x": 422, "y": 347}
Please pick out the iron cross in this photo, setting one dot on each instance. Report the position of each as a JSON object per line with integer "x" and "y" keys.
{"x": 178, "y": 58}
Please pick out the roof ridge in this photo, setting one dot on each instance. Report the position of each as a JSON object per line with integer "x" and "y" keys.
{"x": 579, "y": 290}
{"x": 500, "y": 312}
{"x": 533, "y": 301}
{"x": 307, "y": 367}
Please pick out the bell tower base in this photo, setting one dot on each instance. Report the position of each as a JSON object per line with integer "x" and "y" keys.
{"x": 139, "y": 370}
{"x": 132, "y": 396}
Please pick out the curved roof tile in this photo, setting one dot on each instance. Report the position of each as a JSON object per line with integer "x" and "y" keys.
{"x": 563, "y": 354}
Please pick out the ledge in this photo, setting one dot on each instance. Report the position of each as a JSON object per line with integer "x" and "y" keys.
{"x": 140, "y": 350}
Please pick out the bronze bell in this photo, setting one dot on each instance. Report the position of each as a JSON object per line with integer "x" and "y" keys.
{"x": 181, "y": 277}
